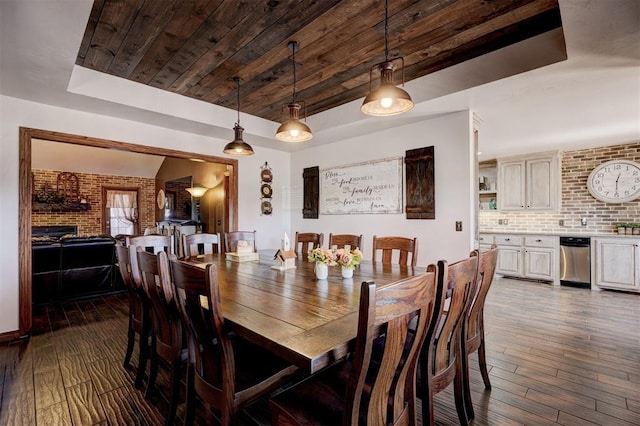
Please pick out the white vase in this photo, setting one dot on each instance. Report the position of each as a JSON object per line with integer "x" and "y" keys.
{"x": 347, "y": 272}
{"x": 322, "y": 270}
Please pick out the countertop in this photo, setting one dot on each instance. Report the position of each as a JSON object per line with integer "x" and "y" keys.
{"x": 567, "y": 233}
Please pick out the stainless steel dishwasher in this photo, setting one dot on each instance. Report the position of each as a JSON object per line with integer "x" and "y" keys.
{"x": 575, "y": 261}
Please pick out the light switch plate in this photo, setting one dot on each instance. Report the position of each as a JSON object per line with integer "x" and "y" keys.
{"x": 458, "y": 225}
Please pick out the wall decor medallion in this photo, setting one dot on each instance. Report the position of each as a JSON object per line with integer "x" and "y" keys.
{"x": 160, "y": 199}
{"x": 615, "y": 181}
{"x": 266, "y": 192}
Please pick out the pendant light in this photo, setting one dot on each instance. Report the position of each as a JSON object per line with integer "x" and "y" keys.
{"x": 386, "y": 99}
{"x": 238, "y": 146}
{"x": 294, "y": 130}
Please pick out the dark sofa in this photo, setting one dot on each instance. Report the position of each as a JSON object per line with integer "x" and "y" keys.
{"x": 73, "y": 267}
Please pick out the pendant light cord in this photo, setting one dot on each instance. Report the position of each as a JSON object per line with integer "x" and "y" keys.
{"x": 293, "y": 58}
{"x": 238, "y": 81}
{"x": 386, "y": 31}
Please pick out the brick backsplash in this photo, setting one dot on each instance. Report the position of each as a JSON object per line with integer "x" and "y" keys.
{"x": 577, "y": 202}
{"x": 90, "y": 186}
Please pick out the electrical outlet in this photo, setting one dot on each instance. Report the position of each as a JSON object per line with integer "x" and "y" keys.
{"x": 499, "y": 221}
{"x": 458, "y": 225}
{"x": 505, "y": 221}
{"x": 561, "y": 222}
{"x": 583, "y": 221}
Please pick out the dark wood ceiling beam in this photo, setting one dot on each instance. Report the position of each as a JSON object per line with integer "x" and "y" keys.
{"x": 206, "y": 37}
{"x": 173, "y": 36}
{"x": 149, "y": 22}
{"x": 112, "y": 27}
{"x": 261, "y": 55}
{"x": 94, "y": 17}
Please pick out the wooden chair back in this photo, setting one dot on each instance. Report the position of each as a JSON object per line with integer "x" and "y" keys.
{"x": 231, "y": 240}
{"x": 150, "y": 243}
{"x": 308, "y": 241}
{"x": 211, "y": 351}
{"x": 400, "y": 245}
{"x": 387, "y": 380}
{"x": 441, "y": 361}
{"x": 195, "y": 244}
{"x": 342, "y": 240}
{"x": 475, "y": 318}
{"x": 156, "y": 282}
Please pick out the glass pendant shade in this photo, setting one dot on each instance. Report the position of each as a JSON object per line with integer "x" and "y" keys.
{"x": 238, "y": 146}
{"x": 197, "y": 191}
{"x": 294, "y": 130}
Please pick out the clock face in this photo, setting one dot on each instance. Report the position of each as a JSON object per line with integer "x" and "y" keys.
{"x": 616, "y": 181}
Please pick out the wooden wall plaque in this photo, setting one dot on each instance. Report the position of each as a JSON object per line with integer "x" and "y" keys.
{"x": 311, "y": 192}
{"x": 419, "y": 170}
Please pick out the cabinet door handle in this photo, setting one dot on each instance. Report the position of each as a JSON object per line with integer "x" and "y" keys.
{"x": 507, "y": 239}
{"x": 538, "y": 241}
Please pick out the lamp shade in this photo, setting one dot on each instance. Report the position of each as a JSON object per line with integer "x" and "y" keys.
{"x": 387, "y": 99}
{"x": 294, "y": 130}
{"x": 238, "y": 146}
{"x": 197, "y": 191}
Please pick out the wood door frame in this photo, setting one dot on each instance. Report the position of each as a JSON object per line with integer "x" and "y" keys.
{"x": 106, "y": 228}
{"x": 24, "y": 201}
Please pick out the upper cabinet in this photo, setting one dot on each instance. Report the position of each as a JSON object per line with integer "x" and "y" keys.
{"x": 530, "y": 182}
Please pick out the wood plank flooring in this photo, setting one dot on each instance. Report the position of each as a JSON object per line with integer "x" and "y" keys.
{"x": 556, "y": 355}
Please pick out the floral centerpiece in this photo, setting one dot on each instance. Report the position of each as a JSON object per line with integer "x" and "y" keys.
{"x": 348, "y": 258}
{"x": 321, "y": 255}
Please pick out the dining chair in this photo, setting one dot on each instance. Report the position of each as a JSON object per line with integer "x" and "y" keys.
{"x": 167, "y": 341}
{"x": 231, "y": 240}
{"x": 139, "y": 320}
{"x": 150, "y": 243}
{"x": 400, "y": 245}
{"x": 191, "y": 243}
{"x": 225, "y": 371}
{"x": 342, "y": 240}
{"x": 441, "y": 359}
{"x": 474, "y": 326}
{"x": 376, "y": 386}
{"x": 308, "y": 241}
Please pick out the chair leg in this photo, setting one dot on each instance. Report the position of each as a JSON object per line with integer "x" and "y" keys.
{"x": 174, "y": 391}
{"x": 143, "y": 356}
{"x": 190, "y": 411}
{"x": 482, "y": 361}
{"x": 458, "y": 389}
{"x": 466, "y": 390}
{"x": 153, "y": 369}
{"x": 131, "y": 338}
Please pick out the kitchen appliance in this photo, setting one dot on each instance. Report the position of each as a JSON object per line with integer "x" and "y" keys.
{"x": 575, "y": 261}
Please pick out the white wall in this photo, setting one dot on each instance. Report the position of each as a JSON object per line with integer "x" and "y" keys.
{"x": 451, "y": 135}
{"x": 16, "y": 113}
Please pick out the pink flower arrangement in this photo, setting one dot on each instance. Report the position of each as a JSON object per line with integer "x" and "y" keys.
{"x": 321, "y": 255}
{"x": 348, "y": 258}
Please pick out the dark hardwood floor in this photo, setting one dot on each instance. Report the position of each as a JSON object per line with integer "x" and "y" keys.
{"x": 556, "y": 356}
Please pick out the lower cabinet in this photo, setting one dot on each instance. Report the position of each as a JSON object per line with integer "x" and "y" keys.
{"x": 527, "y": 256}
{"x": 616, "y": 263}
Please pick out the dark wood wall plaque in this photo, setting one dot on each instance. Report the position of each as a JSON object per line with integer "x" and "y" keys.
{"x": 419, "y": 170}
{"x": 311, "y": 192}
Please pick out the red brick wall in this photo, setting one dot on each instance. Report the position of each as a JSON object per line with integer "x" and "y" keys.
{"x": 90, "y": 186}
{"x": 577, "y": 202}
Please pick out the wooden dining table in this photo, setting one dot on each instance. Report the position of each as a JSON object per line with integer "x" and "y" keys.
{"x": 308, "y": 322}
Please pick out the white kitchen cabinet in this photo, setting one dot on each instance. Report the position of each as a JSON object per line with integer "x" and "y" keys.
{"x": 616, "y": 263}
{"x": 525, "y": 256}
{"x": 529, "y": 183}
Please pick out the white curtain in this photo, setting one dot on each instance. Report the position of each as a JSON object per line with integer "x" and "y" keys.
{"x": 123, "y": 211}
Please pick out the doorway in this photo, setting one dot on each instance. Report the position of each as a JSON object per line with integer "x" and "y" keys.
{"x": 25, "y": 200}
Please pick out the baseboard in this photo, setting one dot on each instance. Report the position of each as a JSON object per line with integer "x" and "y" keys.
{"x": 11, "y": 335}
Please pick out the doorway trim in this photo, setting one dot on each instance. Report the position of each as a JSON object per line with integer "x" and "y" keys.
{"x": 24, "y": 201}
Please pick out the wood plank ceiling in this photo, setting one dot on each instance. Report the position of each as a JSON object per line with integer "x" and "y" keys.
{"x": 195, "y": 47}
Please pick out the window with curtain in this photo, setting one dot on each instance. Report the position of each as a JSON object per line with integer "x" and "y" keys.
{"x": 122, "y": 212}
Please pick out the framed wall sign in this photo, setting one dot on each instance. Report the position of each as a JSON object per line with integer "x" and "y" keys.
{"x": 374, "y": 187}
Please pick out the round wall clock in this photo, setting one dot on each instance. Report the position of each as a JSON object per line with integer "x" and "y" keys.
{"x": 160, "y": 199}
{"x": 266, "y": 190}
{"x": 615, "y": 181}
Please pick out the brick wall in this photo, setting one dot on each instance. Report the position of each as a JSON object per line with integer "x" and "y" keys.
{"x": 577, "y": 202}
{"x": 90, "y": 186}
